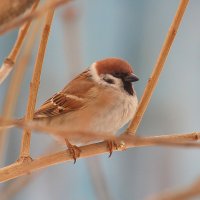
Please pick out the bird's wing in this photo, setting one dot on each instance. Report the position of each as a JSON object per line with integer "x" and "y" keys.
{"x": 73, "y": 97}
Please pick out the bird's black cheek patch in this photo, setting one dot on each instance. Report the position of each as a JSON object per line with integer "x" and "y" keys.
{"x": 128, "y": 87}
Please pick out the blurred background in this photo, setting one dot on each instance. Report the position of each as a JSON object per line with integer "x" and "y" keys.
{"x": 85, "y": 31}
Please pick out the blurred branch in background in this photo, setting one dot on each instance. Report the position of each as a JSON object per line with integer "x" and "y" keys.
{"x": 28, "y": 17}
{"x": 34, "y": 86}
{"x": 10, "y": 101}
{"x": 9, "y": 62}
{"x": 71, "y": 27}
{"x": 11, "y": 9}
{"x": 153, "y": 80}
{"x": 98, "y": 179}
{"x": 187, "y": 193}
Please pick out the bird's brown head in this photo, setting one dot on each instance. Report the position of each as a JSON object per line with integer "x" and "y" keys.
{"x": 111, "y": 69}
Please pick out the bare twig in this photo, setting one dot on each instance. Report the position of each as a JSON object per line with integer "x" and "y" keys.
{"x": 153, "y": 80}
{"x": 9, "y": 62}
{"x": 21, "y": 168}
{"x": 34, "y": 85}
{"x": 43, "y": 9}
{"x": 14, "y": 87}
{"x": 183, "y": 194}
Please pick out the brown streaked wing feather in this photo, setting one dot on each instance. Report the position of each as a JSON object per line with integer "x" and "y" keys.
{"x": 80, "y": 85}
{"x": 72, "y": 97}
{"x": 59, "y": 104}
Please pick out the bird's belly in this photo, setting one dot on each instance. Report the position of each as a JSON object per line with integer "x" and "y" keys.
{"x": 111, "y": 119}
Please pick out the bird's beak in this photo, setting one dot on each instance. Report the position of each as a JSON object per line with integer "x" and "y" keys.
{"x": 131, "y": 78}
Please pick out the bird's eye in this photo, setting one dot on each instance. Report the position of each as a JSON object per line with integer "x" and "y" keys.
{"x": 117, "y": 74}
{"x": 108, "y": 80}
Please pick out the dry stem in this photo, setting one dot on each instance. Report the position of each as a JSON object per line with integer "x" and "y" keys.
{"x": 153, "y": 80}
{"x": 9, "y": 62}
{"x": 34, "y": 85}
{"x": 43, "y": 9}
{"x": 21, "y": 168}
{"x": 14, "y": 87}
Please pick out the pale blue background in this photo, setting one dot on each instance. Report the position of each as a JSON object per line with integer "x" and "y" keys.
{"x": 133, "y": 30}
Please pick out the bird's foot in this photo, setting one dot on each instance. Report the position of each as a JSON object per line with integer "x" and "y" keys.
{"x": 114, "y": 145}
{"x": 73, "y": 150}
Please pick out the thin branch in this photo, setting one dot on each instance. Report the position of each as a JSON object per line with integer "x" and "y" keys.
{"x": 21, "y": 168}
{"x": 34, "y": 85}
{"x": 183, "y": 194}
{"x": 9, "y": 62}
{"x": 153, "y": 80}
{"x": 43, "y": 9}
{"x": 15, "y": 83}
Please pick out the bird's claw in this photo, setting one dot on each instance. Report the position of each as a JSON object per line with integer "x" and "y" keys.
{"x": 114, "y": 145}
{"x": 74, "y": 151}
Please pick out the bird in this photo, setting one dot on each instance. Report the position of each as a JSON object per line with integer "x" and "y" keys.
{"x": 101, "y": 99}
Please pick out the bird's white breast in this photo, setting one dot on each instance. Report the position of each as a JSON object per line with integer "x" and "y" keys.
{"x": 115, "y": 114}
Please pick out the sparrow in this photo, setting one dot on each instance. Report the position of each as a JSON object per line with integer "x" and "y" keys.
{"x": 101, "y": 99}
